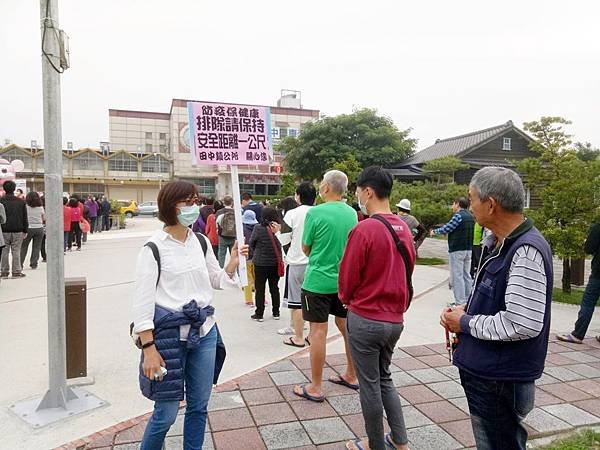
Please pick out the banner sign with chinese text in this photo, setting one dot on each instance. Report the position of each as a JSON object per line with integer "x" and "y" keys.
{"x": 223, "y": 133}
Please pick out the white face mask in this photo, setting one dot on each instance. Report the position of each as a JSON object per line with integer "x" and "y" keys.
{"x": 363, "y": 207}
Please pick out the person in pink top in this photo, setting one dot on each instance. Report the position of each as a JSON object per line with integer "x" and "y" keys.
{"x": 76, "y": 216}
{"x": 375, "y": 286}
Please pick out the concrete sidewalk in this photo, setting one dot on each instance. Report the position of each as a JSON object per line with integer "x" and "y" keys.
{"x": 259, "y": 410}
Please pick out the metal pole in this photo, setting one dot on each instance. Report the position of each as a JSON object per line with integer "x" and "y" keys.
{"x": 58, "y": 394}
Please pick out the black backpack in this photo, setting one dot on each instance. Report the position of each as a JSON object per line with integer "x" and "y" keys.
{"x": 152, "y": 246}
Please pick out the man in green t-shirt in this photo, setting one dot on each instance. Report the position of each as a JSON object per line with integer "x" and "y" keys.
{"x": 326, "y": 230}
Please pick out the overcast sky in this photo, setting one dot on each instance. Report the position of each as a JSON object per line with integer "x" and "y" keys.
{"x": 441, "y": 68}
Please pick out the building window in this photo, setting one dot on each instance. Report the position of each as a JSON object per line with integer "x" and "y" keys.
{"x": 148, "y": 135}
{"x": 148, "y": 148}
{"x": 162, "y": 136}
{"x": 162, "y": 148}
{"x": 83, "y": 190}
{"x": 506, "y": 144}
{"x": 122, "y": 163}
{"x": 13, "y": 154}
{"x": 283, "y": 132}
{"x": 155, "y": 164}
{"x": 259, "y": 188}
{"x": 69, "y": 145}
{"x": 88, "y": 161}
{"x": 206, "y": 186}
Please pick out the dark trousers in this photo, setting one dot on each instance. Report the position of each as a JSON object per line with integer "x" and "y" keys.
{"x": 93, "y": 224}
{"x": 498, "y": 409}
{"x": 590, "y": 298}
{"x": 43, "y": 249}
{"x": 34, "y": 236}
{"x": 105, "y": 222}
{"x": 475, "y": 258}
{"x": 372, "y": 345}
{"x": 262, "y": 274}
{"x": 75, "y": 235}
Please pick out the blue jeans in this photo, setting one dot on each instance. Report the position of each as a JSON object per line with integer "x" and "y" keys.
{"x": 460, "y": 275}
{"x": 588, "y": 303}
{"x": 498, "y": 409}
{"x": 198, "y": 370}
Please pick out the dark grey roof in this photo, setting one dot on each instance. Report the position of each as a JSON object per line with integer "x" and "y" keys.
{"x": 454, "y": 146}
{"x": 407, "y": 172}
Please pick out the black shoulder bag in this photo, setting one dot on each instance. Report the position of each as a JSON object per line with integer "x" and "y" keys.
{"x": 403, "y": 252}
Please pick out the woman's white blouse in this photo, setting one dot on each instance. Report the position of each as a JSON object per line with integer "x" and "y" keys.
{"x": 185, "y": 275}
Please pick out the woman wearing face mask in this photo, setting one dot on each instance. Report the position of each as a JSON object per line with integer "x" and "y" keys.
{"x": 173, "y": 317}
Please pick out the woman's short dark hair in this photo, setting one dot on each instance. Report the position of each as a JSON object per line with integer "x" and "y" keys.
{"x": 217, "y": 205}
{"x": 287, "y": 204}
{"x": 462, "y": 202}
{"x": 269, "y": 214}
{"x": 33, "y": 199}
{"x": 307, "y": 193}
{"x": 9, "y": 186}
{"x": 378, "y": 179}
{"x": 169, "y": 196}
{"x": 73, "y": 202}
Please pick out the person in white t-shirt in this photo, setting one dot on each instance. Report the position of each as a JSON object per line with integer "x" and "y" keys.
{"x": 296, "y": 259}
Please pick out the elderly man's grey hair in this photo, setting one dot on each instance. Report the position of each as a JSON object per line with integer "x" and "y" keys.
{"x": 503, "y": 185}
{"x": 337, "y": 180}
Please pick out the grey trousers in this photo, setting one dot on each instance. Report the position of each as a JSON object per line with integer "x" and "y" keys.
{"x": 225, "y": 243}
{"x": 13, "y": 243}
{"x": 34, "y": 235}
{"x": 372, "y": 345}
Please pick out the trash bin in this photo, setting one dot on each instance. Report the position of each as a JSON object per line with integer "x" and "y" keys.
{"x": 578, "y": 272}
{"x": 76, "y": 326}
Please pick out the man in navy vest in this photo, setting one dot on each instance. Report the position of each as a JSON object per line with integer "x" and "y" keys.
{"x": 503, "y": 329}
{"x": 460, "y": 245}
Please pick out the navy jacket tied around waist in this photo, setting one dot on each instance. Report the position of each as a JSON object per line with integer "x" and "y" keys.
{"x": 167, "y": 342}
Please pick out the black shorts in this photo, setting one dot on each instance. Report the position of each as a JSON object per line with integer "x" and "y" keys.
{"x": 317, "y": 307}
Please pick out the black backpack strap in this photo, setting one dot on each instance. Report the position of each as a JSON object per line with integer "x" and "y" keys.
{"x": 404, "y": 252}
{"x": 152, "y": 246}
{"x": 203, "y": 243}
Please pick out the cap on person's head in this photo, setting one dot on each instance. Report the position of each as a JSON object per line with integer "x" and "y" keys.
{"x": 249, "y": 217}
{"x": 404, "y": 204}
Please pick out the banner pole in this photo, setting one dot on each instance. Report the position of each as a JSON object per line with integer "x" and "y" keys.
{"x": 239, "y": 230}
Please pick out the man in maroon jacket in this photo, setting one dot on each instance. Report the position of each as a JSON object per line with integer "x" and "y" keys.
{"x": 374, "y": 286}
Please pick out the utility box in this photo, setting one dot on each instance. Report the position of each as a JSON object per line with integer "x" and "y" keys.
{"x": 578, "y": 272}
{"x": 76, "y": 326}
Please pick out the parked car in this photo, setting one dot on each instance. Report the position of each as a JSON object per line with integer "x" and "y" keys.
{"x": 148, "y": 208}
{"x": 128, "y": 207}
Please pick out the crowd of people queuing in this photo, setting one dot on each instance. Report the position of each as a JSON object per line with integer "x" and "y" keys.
{"x": 354, "y": 263}
{"x": 23, "y": 226}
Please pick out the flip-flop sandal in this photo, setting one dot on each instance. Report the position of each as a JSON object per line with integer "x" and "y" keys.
{"x": 307, "y": 396}
{"x": 339, "y": 380}
{"x": 291, "y": 343}
{"x": 354, "y": 445}
{"x": 388, "y": 441}
{"x": 568, "y": 338}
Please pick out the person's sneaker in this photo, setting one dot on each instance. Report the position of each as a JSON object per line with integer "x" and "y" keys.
{"x": 568, "y": 338}
{"x": 33, "y": 267}
{"x": 275, "y": 317}
{"x": 286, "y": 331}
{"x": 3, "y": 275}
{"x": 43, "y": 260}
{"x": 18, "y": 275}
{"x": 257, "y": 318}
{"x": 250, "y": 304}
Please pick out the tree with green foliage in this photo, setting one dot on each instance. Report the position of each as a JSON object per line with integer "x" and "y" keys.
{"x": 288, "y": 186}
{"x": 586, "y": 152}
{"x": 430, "y": 204}
{"x": 363, "y": 136}
{"x": 567, "y": 187}
{"x": 442, "y": 170}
